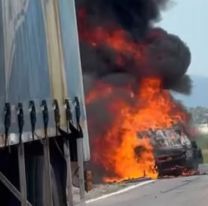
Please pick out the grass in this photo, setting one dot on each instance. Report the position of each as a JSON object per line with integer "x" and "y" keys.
{"x": 202, "y": 142}
{"x": 205, "y": 155}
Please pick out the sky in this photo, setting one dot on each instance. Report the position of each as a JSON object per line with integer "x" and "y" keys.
{"x": 188, "y": 19}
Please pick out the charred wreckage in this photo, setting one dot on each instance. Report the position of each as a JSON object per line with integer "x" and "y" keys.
{"x": 175, "y": 153}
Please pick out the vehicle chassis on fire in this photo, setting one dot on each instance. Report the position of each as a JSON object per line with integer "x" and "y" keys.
{"x": 175, "y": 154}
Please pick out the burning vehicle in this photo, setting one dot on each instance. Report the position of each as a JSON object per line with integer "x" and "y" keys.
{"x": 175, "y": 154}
{"x": 130, "y": 66}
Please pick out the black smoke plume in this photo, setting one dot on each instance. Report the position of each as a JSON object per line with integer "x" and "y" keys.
{"x": 165, "y": 56}
{"x": 135, "y": 16}
{"x": 168, "y": 56}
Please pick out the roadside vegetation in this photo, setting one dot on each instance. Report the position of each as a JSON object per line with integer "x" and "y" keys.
{"x": 202, "y": 142}
{"x": 200, "y": 116}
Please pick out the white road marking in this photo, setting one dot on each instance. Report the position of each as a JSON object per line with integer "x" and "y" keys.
{"x": 120, "y": 191}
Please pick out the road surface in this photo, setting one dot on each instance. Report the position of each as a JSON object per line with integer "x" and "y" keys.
{"x": 182, "y": 191}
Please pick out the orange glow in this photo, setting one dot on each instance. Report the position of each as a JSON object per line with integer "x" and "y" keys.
{"x": 104, "y": 89}
{"x": 120, "y": 150}
{"x": 116, "y": 150}
{"x": 116, "y": 39}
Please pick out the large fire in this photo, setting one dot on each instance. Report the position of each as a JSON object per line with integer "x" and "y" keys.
{"x": 119, "y": 149}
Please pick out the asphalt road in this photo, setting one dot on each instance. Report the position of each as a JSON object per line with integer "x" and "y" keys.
{"x": 182, "y": 191}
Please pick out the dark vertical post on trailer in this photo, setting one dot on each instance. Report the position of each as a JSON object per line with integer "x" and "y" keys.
{"x": 42, "y": 103}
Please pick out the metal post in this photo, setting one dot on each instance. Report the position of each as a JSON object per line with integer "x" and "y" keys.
{"x": 80, "y": 156}
{"x": 67, "y": 156}
{"x": 80, "y": 153}
{"x": 48, "y": 197}
{"x": 48, "y": 201}
{"x": 21, "y": 156}
{"x": 69, "y": 174}
{"x": 11, "y": 187}
{"x": 22, "y": 174}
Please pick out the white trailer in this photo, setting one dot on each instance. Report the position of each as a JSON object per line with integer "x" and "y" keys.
{"x": 40, "y": 69}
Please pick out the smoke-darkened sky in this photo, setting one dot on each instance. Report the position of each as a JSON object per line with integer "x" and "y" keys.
{"x": 163, "y": 54}
{"x": 188, "y": 19}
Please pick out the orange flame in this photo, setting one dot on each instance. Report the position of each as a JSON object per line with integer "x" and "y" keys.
{"x": 121, "y": 152}
{"x": 116, "y": 39}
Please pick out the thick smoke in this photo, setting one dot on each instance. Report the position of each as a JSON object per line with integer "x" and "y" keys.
{"x": 139, "y": 51}
{"x": 167, "y": 55}
{"x": 135, "y": 16}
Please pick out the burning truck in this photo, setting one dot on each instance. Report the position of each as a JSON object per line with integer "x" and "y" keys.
{"x": 130, "y": 67}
